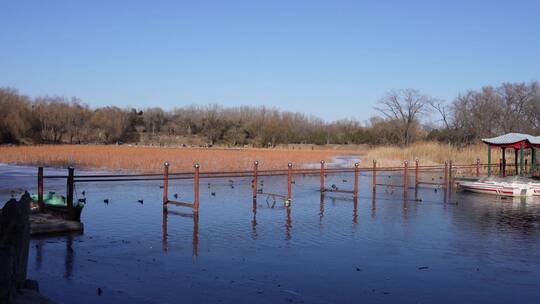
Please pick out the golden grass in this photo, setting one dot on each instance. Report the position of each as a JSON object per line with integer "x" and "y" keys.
{"x": 151, "y": 159}
{"x": 430, "y": 153}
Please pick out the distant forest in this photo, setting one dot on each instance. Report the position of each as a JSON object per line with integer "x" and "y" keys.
{"x": 402, "y": 118}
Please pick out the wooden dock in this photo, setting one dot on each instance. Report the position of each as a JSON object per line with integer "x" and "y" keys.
{"x": 43, "y": 223}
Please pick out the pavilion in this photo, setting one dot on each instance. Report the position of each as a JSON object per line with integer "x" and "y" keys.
{"x": 518, "y": 142}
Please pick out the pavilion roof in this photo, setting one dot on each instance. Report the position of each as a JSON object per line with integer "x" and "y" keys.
{"x": 512, "y": 139}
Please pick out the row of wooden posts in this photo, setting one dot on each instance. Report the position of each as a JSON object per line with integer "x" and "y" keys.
{"x": 255, "y": 174}
{"x": 448, "y": 169}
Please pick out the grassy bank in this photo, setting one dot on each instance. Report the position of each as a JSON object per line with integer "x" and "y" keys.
{"x": 150, "y": 159}
{"x": 429, "y": 153}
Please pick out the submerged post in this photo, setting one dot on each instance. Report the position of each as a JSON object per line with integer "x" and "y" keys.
{"x": 69, "y": 199}
{"x": 255, "y": 172}
{"x": 406, "y": 176}
{"x": 322, "y": 177}
{"x": 196, "y": 189}
{"x": 374, "y": 182}
{"x": 289, "y": 181}
{"x": 416, "y": 174}
{"x": 356, "y": 176}
{"x": 165, "y": 184}
{"x": 478, "y": 167}
{"x": 40, "y": 188}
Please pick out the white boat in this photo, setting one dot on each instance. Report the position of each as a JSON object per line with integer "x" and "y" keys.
{"x": 508, "y": 186}
{"x": 535, "y": 185}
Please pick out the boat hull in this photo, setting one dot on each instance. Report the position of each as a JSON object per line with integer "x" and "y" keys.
{"x": 501, "y": 189}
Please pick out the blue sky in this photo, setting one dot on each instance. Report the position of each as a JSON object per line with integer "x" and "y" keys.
{"x": 333, "y": 59}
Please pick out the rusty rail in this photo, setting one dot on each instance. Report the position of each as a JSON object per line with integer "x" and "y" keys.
{"x": 448, "y": 169}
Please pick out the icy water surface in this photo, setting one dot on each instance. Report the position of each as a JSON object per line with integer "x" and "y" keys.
{"x": 384, "y": 249}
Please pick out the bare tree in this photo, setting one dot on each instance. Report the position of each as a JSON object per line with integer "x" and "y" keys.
{"x": 405, "y": 106}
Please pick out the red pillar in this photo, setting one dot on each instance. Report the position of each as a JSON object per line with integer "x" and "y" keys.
{"x": 356, "y": 177}
{"x": 196, "y": 189}
{"x": 374, "y": 182}
{"x": 255, "y": 172}
{"x": 289, "y": 181}
{"x": 322, "y": 177}
{"x": 165, "y": 184}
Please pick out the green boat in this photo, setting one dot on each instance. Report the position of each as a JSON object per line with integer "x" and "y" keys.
{"x": 57, "y": 203}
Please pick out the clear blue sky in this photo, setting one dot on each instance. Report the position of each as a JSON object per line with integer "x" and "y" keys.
{"x": 333, "y": 59}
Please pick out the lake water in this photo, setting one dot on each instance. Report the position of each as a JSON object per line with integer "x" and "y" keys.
{"x": 382, "y": 249}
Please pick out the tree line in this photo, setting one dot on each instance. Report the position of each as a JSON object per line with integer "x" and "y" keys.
{"x": 403, "y": 116}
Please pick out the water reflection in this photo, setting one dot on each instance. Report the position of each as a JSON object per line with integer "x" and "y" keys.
{"x": 355, "y": 210}
{"x": 39, "y": 253}
{"x": 374, "y": 204}
{"x": 254, "y": 220}
{"x": 288, "y": 223}
{"x": 333, "y": 200}
{"x": 165, "y": 234}
{"x": 68, "y": 261}
{"x": 69, "y": 258}
{"x": 321, "y": 208}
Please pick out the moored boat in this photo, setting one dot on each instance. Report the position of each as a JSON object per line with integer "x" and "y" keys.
{"x": 57, "y": 204}
{"x": 515, "y": 187}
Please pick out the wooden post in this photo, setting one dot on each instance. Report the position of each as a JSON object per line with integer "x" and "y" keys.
{"x": 356, "y": 176}
{"x": 255, "y": 172}
{"x": 322, "y": 177}
{"x": 406, "y": 176}
{"x": 416, "y": 174}
{"x": 374, "y": 182}
{"x": 40, "y": 188}
{"x": 196, "y": 189}
{"x": 165, "y": 184}
{"x": 516, "y": 158}
{"x": 489, "y": 160}
{"x": 69, "y": 199}
{"x": 533, "y": 161}
{"x": 478, "y": 167}
{"x": 289, "y": 181}
{"x": 503, "y": 162}
{"x": 521, "y": 159}
{"x": 446, "y": 174}
{"x": 450, "y": 173}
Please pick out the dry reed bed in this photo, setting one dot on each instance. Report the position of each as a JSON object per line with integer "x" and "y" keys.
{"x": 151, "y": 159}
{"x": 430, "y": 153}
